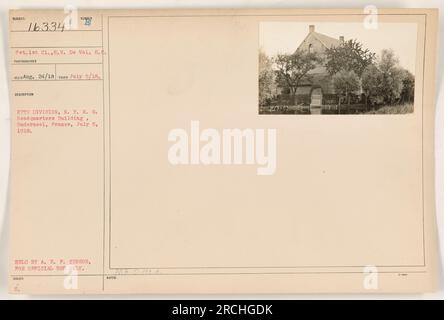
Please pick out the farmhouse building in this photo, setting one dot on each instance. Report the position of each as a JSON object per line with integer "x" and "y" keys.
{"x": 317, "y": 89}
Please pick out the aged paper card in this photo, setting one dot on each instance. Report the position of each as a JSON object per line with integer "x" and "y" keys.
{"x": 222, "y": 151}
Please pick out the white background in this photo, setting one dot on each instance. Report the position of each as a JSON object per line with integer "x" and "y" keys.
{"x": 5, "y": 5}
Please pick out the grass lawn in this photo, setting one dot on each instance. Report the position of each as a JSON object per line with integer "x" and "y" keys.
{"x": 335, "y": 109}
{"x": 398, "y": 109}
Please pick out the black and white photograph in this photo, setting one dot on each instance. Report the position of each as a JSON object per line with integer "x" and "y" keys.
{"x": 336, "y": 68}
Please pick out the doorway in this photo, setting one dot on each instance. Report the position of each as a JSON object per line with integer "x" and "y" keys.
{"x": 316, "y": 97}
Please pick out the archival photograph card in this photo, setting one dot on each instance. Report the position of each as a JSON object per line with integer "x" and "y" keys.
{"x": 222, "y": 151}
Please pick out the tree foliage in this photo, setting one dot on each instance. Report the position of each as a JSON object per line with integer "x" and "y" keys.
{"x": 371, "y": 83}
{"x": 267, "y": 84}
{"x": 346, "y": 83}
{"x": 391, "y": 76}
{"x": 387, "y": 82}
{"x": 408, "y": 86}
{"x": 350, "y": 56}
{"x": 291, "y": 69}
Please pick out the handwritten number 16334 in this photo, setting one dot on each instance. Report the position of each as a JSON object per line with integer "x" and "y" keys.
{"x": 46, "y": 26}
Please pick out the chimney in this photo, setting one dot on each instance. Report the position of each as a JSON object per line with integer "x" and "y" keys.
{"x": 341, "y": 39}
{"x": 311, "y": 28}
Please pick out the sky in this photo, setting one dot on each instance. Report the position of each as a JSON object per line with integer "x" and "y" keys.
{"x": 285, "y": 37}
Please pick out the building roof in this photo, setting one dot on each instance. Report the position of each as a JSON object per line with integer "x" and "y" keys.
{"x": 326, "y": 40}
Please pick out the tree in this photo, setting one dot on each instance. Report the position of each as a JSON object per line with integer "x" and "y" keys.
{"x": 293, "y": 68}
{"x": 370, "y": 81}
{"x": 349, "y": 56}
{"x": 408, "y": 86}
{"x": 391, "y": 76}
{"x": 267, "y": 85}
{"x": 345, "y": 83}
